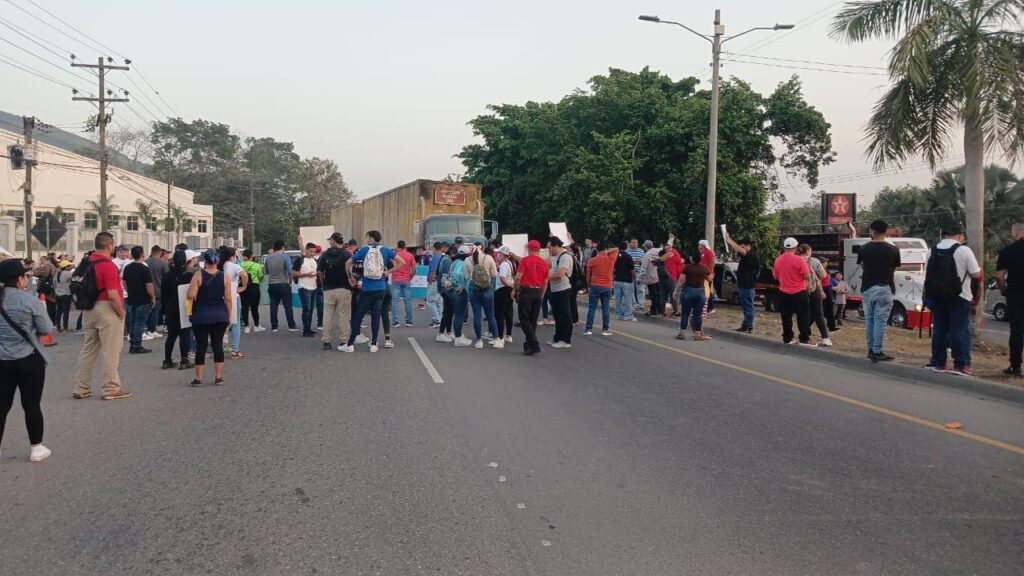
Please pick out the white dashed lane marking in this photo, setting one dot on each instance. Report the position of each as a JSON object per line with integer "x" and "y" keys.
{"x": 434, "y": 375}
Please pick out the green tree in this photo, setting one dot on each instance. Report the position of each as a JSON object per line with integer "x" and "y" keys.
{"x": 956, "y": 64}
{"x": 321, "y": 188}
{"x": 103, "y": 212}
{"x": 628, "y": 157}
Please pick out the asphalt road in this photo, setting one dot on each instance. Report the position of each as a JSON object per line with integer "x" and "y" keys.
{"x": 630, "y": 454}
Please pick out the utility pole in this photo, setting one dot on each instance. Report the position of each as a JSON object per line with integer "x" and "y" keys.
{"x": 105, "y": 97}
{"x": 169, "y": 223}
{"x": 716, "y": 52}
{"x": 29, "y": 123}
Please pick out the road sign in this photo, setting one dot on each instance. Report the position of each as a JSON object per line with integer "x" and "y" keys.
{"x": 48, "y": 230}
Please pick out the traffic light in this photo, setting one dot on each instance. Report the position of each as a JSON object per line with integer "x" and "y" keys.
{"x": 17, "y": 155}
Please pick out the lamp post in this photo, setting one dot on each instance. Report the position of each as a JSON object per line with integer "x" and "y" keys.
{"x": 716, "y": 40}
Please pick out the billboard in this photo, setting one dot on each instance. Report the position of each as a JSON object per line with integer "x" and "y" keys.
{"x": 838, "y": 208}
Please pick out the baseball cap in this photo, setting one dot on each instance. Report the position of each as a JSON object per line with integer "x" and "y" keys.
{"x": 505, "y": 250}
{"x": 337, "y": 238}
{"x": 66, "y": 264}
{"x": 464, "y": 249}
{"x": 533, "y": 245}
{"x": 790, "y": 243}
{"x": 11, "y": 269}
{"x": 704, "y": 243}
{"x": 190, "y": 254}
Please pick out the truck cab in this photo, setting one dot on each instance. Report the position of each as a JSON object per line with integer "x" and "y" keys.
{"x": 447, "y": 227}
{"x": 909, "y": 277}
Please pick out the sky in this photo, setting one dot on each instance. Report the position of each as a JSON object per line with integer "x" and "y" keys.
{"x": 386, "y": 88}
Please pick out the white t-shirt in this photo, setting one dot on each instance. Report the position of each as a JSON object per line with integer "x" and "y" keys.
{"x": 504, "y": 273}
{"x": 308, "y": 265}
{"x": 233, "y": 272}
{"x": 966, "y": 265}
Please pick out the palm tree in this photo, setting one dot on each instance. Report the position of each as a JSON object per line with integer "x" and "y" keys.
{"x": 103, "y": 211}
{"x": 145, "y": 211}
{"x": 956, "y": 63}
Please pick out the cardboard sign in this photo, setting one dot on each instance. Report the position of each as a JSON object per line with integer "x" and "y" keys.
{"x": 418, "y": 284}
{"x": 316, "y": 234}
{"x": 725, "y": 238}
{"x": 561, "y": 230}
{"x": 186, "y": 322}
{"x": 516, "y": 243}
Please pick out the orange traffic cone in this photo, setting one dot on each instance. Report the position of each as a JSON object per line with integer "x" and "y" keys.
{"x": 46, "y": 339}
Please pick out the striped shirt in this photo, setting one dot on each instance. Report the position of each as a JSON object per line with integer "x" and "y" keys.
{"x": 638, "y": 257}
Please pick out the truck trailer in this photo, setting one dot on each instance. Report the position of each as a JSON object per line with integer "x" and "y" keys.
{"x": 421, "y": 213}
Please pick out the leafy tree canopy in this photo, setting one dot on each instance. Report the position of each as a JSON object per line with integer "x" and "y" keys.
{"x": 628, "y": 157}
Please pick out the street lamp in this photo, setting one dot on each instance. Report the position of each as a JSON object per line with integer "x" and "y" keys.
{"x": 716, "y": 40}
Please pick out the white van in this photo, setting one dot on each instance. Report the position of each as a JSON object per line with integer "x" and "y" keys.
{"x": 909, "y": 276}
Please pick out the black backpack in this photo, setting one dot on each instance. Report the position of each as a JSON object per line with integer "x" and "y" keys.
{"x": 941, "y": 281}
{"x": 84, "y": 291}
{"x": 578, "y": 281}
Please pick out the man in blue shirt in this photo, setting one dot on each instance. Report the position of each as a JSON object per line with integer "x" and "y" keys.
{"x": 376, "y": 260}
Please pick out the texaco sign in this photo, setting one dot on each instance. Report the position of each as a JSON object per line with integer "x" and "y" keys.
{"x": 839, "y": 208}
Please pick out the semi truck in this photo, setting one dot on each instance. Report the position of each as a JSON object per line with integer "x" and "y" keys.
{"x": 421, "y": 212}
{"x": 841, "y": 251}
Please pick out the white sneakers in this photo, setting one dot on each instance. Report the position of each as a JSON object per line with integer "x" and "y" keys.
{"x": 360, "y": 339}
{"x": 389, "y": 343}
{"x": 258, "y": 329}
{"x": 374, "y": 348}
{"x": 346, "y": 348}
{"x": 248, "y": 329}
{"x": 561, "y": 345}
{"x": 151, "y": 335}
{"x": 826, "y": 342}
{"x": 462, "y": 341}
{"x": 606, "y": 333}
{"x": 497, "y": 344}
{"x": 444, "y": 339}
{"x": 478, "y": 344}
{"x": 588, "y": 333}
{"x": 39, "y": 453}
{"x": 508, "y": 339}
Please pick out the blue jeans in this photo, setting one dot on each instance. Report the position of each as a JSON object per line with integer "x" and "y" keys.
{"x": 154, "y": 316}
{"x": 372, "y": 302}
{"x": 308, "y": 299}
{"x": 877, "y": 306}
{"x": 692, "y": 301}
{"x": 483, "y": 303}
{"x": 137, "y": 314}
{"x": 404, "y": 291}
{"x": 604, "y": 296}
{"x": 951, "y": 327}
{"x": 280, "y": 294}
{"x": 624, "y": 300}
{"x": 434, "y": 303}
{"x": 236, "y": 329}
{"x": 459, "y": 299}
{"x": 747, "y": 303}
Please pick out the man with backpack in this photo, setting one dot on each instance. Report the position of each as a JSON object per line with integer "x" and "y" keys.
{"x": 481, "y": 271}
{"x": 561, "y": 287}
{"x": 96, "y": 289}
{"x": 948, "y": 294}
{"x": 337, "y": 289}
{"x": 374, "y": 259}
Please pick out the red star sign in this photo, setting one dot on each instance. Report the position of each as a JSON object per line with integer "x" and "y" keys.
{"x": 840, "y": 206}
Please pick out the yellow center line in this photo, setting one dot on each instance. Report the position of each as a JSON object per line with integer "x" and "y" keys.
{"x": 846, "y": 399}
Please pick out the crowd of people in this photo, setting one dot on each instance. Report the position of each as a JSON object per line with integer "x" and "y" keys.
{"x": 201, "y": 301}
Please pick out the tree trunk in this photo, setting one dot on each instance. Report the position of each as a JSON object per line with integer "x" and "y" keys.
{"x": 974, "y": 186}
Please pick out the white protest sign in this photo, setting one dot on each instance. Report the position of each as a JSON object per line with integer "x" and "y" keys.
{"x": 561, "y": 230}
{"x": 725, "y": 238}
{"x": 182, "y": 315}
{"x": 316, "y": 234}
{"x": 516, "y": 243}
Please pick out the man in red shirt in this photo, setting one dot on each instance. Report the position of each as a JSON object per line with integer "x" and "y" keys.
{"x": 103, "y": 326}
{"x": 793, "y": 273}
{"x": 600, "y": 278}
{"x": 530, "y": 284}
{"x": 401, "y": 284}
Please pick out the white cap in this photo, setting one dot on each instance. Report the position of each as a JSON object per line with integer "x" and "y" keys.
{"x": 790, "y": 243}
{"x": 190, "y": 254}
{"x": 505, "y": 250}
{"x": 704, "y": 243}
{"x": 464, "y": 249}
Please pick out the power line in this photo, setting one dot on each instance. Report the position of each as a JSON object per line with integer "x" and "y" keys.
{"x": 143, "y": 95}
{"x": 805, "y": 61}
{"x": 155, "y": 91}
{"x": 850, "y": 72}
{"x": 34, "y": 55}
{"x": 37, "y": 40}
{"x": 57, "y": 18}
{"x": 51, "y": 26}
{"x": 34, "y": 72}
{"x": 801, "y": 25}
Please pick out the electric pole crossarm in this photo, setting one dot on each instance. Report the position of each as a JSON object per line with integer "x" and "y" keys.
{"x": 99, "y": 66}
{"x": 84, "y": 99}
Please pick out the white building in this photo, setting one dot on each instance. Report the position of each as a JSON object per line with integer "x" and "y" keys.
{"x": 70, "y": 182}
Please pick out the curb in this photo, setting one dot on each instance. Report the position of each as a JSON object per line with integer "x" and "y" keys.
{"x": 889, "y": 370}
